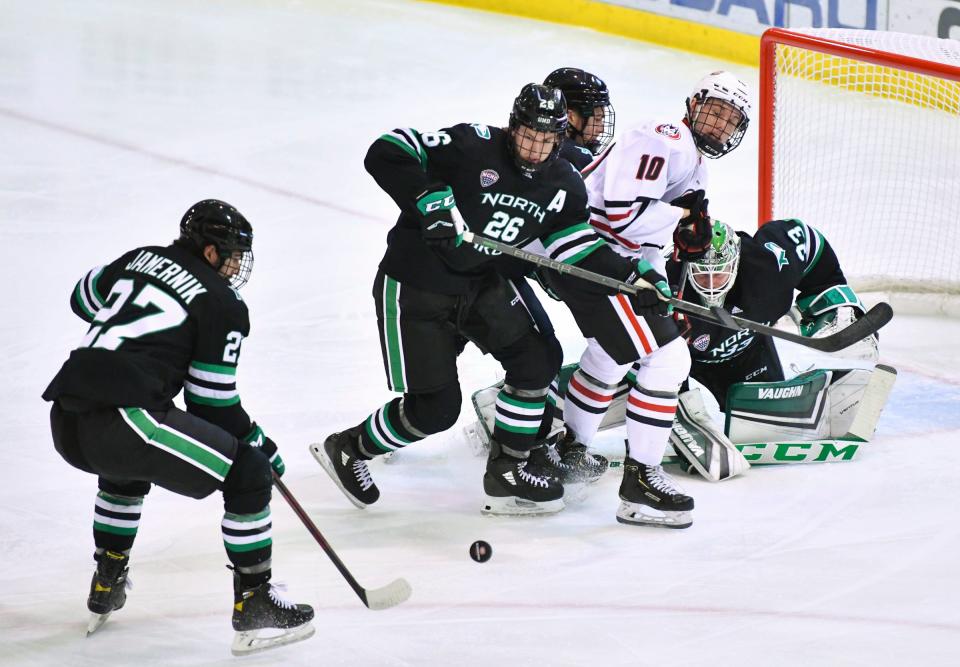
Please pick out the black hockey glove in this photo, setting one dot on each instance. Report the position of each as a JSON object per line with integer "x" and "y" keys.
{"x": 436, "y": 206}
{"x": 646, "y": 302}
{"x": 543, "y": 279}
{"x": 691, "y": 238}
{"x": 257, "y": 439}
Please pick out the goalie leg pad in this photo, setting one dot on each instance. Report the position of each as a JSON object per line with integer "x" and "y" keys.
{"x": 701, "y": 443}
{"x": 839, "y": 404}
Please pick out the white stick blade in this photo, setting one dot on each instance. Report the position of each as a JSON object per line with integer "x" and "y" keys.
{"x": 394, "y": 593}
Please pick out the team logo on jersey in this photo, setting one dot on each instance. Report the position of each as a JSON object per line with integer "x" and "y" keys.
{"x": 779, "y": 253}
{"x": 488, "y": 177}
{"x": 702, "y": 342}
{"x": 669, "y": 131}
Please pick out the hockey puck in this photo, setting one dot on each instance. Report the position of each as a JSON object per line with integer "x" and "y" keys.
{"x": 480, "y": 551}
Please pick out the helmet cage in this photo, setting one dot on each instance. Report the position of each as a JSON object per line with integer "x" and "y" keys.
{"x": 709, "y": 115}
{"x": 713, "y": 276}
{"x": 217, "y": 223}
{"x": 584, "y": 93}
{"x": 601, "y": 139}
{"x": 541, "y": 109}
{"x": 722, "y": 103}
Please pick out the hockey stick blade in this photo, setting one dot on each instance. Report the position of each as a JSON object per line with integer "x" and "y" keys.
{"x": 394, "y": 593}
{"x": 864, "y": 326}
{"x": 375, "y": 599}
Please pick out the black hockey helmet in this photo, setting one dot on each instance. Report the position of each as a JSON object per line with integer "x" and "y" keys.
{"x": 542, "y": 109}
{"x": 585, "y": 92}
{"x": 217, "y": 223}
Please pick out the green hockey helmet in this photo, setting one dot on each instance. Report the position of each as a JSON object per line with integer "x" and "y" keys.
{"x": 713, "y": 275}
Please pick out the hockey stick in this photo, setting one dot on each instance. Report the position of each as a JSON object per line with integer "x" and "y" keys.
{"x": 385, "y": 597}
{"x": 864, "y": 326}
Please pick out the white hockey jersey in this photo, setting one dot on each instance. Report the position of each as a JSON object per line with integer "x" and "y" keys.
{"x": 630, "y": 185}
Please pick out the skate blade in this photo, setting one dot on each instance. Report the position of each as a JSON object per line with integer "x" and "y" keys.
{"x": 513, "y": 506}
{"x": 636, "y": 514}
{"x": 96, "y": 622}
{"x": 321, "y": 456}
{"x": 249, "y": 641}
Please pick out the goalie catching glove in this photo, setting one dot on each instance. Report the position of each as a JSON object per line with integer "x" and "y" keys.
{"x": 256, "y": 438}
{"x": 438, "y": 226}
{"x": 694, "y": 232}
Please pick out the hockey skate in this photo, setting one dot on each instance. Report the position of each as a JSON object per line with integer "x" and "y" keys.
{"x": 259, "y": 610}
{"x": 108, "y": 588}
{"x": 516, "y": 485}
{"x": 340, "y": 457}
{"x": 577, "y": 463}
{"x": 650, "y": 498}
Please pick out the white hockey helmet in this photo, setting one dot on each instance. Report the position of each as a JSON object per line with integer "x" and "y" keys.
{"x": 718, "y": 127}
{"x": 713, "y": 275}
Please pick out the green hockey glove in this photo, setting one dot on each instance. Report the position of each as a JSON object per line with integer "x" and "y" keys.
{"x": 436, "y": 205}
{"x": 646, "y": 302}
{"x": 256, "y": 438}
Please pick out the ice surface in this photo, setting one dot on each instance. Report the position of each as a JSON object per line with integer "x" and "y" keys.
{"x": 116, "y": 116}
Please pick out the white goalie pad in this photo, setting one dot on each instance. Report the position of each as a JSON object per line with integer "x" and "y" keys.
{"x": 701, "y": 443}
{"x": 818, "y": 405}
{"x": 478, "y": 434}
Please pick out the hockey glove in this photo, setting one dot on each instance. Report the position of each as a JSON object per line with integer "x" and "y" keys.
{"x": 691, "y": 238}
{"x": 646, "y": 302}
{"x": 540, "y": 275}
{"x": 436, "y": 205}
{"x": 257, "y": 439}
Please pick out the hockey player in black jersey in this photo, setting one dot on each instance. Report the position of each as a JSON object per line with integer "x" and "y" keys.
{"x": 431, "y": 291}
{"x": 590, "y": 114}
{"x": 162, "y": 319}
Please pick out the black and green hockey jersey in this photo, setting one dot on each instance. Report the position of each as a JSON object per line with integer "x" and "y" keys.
{"x": 161, "y": 320}
{"x": 579, "y": 156}
{"x": 496, "y": 199}
{"x": 785, "y": 261}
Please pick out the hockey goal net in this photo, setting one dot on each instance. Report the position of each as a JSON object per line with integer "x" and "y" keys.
{"x": 860, "y": 137}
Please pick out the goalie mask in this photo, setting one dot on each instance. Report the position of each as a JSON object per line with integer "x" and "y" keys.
{"x": 217, "y": 223}
{"x": 537, "y": 124}
{"x": 718, "y": 113}
{"x": 713, "y": 275}
{"x": 587, "y": 95}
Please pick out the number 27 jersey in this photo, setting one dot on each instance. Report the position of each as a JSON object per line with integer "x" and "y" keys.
{"x": 161, "y": 320}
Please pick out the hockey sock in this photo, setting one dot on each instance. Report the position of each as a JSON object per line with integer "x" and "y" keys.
{"x": 249, "y": 544}
{"x": 555, "y": 399}
{"x": 115, "y": 521}
{"x": 649, "y": 420}
{"x": 585, "y": 404}
{"x": 519, "y": 414}
{"x": 388, "y": 429}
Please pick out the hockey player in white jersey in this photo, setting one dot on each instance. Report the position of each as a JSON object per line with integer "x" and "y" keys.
{"x": 645, "y": 192}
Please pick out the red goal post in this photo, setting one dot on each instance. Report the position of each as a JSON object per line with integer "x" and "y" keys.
{"x": 860, "y": 137}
